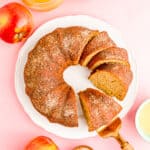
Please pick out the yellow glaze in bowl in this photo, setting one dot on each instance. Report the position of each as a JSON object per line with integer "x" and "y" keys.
{"x": 142, "y": 120}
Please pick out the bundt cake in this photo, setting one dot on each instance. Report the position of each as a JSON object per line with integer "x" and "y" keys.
{"x": 100, "y": 42}
{"x": 43, "y": 73}
{"x": 110, "y": 55}
{"x": 54, "y": 98}
{"x": 113, "y": 79}
{"x": 99, "y": 109}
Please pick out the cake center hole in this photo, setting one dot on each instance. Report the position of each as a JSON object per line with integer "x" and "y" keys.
{"x": 77, "y": 77}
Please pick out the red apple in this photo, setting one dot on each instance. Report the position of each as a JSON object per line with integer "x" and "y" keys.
{"x": 41, "y": 143}
{"x": 15, "y": 22}
{"x": 82, "y": 147}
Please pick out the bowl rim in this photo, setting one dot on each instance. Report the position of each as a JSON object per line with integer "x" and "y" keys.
{"x": 141, "y": 133}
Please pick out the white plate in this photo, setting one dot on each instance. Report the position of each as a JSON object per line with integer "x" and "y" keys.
{"x": 79, "y": 20}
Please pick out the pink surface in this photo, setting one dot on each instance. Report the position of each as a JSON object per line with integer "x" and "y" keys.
{"x": 132, "y": 19}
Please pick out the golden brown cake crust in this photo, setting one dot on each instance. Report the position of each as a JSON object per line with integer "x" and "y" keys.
{"x": 65, "y": 112}
{"x": 69, "y": 112}
{"x": 72, "y": 41}
{"x": 101, "y": 42}
{"x": 110, "y": 55}
{"x": 43, "y": 73}
{"x": 100, "y": 108}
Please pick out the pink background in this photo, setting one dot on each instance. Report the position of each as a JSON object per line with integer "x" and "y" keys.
{"x": 132, "y": 18}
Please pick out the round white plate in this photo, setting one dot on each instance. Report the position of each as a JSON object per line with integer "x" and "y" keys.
{"x": 79, "y": 84}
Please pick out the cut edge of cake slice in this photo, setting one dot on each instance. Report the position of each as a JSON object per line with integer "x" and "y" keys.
{"x": 99, "y": 43}
{"x": 110, "y": 55}
{"x": 113, "y": 79}
{"x": 99, "y": 109}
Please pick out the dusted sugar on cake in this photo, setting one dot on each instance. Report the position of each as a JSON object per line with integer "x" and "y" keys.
{"x": 99, "y": 109}
{"x": 99, "y": 43}
{"x": 43, "y": 73}
{"x": 73, "y": 40}
{"x": 53, "y": 53}
{"x": 110, "y": 55}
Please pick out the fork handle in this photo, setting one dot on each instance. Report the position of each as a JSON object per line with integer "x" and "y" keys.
{"x": 123, "y": 143}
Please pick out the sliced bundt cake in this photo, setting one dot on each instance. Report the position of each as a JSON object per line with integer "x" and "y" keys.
{"x": 113, "y": 79}
{"x": 54, "y": 98}
{"x": 100, "y": 42}
{"x": 43, "y": 73}
{"x": 99, "y": 109}
{"x": 110, "y": 55}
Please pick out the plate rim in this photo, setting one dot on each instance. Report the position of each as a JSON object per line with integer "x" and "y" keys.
{"x": 20, "y": 52}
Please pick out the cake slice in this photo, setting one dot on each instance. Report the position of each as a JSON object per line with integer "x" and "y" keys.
{"x": 110, "y": 55}
{"x": 99, "y": 109}
{"x": 69, "y": 113}
{"x": 100, "y": 42}
{"x": 65, "y": 109}
{"x": 113, "y": 79}
{"x": 59, "y": 105}
{"x": 73, "y": 40}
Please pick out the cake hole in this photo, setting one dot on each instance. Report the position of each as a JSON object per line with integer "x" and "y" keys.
{"x": 77, "y": 77}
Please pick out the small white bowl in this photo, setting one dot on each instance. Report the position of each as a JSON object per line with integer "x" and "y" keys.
{"x": 137, "y": 124}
